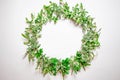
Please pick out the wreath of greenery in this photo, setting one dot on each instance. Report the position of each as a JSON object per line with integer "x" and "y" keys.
{"x": 54, "y": 12}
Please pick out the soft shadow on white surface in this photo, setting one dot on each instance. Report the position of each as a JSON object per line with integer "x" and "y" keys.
{"x": 12, "y": 23}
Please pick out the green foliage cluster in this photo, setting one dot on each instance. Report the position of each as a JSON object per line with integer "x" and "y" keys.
{"x": 54, "y": 12}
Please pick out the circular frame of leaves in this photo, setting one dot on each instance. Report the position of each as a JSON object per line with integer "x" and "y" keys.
{"x": 54, "y": 12}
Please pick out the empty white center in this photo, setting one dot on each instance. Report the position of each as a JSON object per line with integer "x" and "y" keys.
{"x": 60, "y": 40}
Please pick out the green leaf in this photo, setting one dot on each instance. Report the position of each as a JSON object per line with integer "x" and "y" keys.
{"x": 25, "y": 36}
{"x": 81, "y": 6}
{"x": 76, "y": 67}
{"x": 27, "y": 21}
{"x": 39, "y": 53}
{"x": 32, "y": 16}
{"x": 53, "y": 65}
{"x": 54, "y": 61}
{"x": 55, "y": 19}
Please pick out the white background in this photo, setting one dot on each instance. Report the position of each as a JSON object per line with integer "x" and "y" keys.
{"x": 60, "y": 40}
